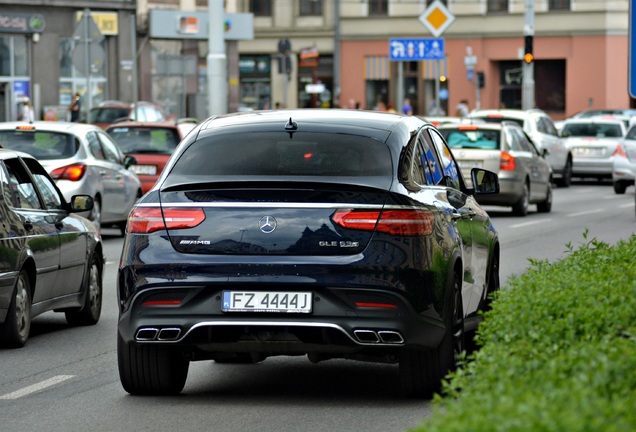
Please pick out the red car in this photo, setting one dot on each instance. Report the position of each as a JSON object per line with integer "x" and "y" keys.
{"x": 151, "y": 144}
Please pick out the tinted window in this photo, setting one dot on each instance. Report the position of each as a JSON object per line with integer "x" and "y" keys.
{"x": 157, "y": 140}
{"x": 449, "y": 165}
{"x": 598, "y": 130}
{"x": 110, "y": 149}
{"x": 524, "y": 143}
{"x": 22, "y": 186}
{"x": 107, "y": 115}
{"x": 7, "y": 191}
{"x": 304, "y": 154}
{"x": 40, "y": 144}
{"x": 95, "y": 146}
{"x": 50, "y": 194}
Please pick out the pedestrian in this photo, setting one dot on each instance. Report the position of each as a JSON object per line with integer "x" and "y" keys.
{"x": 462, "y": 109}
{"x": 407, "y": 108}
{"x": 27, "y": 112}
{"x": 75, "y": 107}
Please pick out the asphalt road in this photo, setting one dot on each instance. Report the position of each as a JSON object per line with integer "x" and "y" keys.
{"x": 66, "y": 379}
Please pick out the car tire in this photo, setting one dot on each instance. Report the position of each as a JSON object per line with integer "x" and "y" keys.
{"x": 95, "y": 215}
{"x": 520, "y": 208}
{"x": 566, "y": 176}
{"x": 151, "y": 369}
{"x": 90, "y": 312}
{"x": 546, "y": 205}
{"x": 422, "y": 372}
{"x": 14, "y": 332}
{"x": 620, "y": 187}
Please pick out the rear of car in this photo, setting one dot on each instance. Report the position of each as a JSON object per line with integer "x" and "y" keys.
{"x": 150, "y": 144}
{"x": 543, "y": 132}
{"x": 624, "y": 163}
{"x": 505, "y": 149}
{"x": 593, "y": 143}
{"x": 112, "y": 111}
{"x": 289, "y": 236}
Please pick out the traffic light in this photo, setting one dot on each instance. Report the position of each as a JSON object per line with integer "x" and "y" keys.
{"x": 481, "y": 81}
{"x": 528, "y": 56}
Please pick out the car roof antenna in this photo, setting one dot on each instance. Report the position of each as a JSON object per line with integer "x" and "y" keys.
{"x": 291, "y": 127}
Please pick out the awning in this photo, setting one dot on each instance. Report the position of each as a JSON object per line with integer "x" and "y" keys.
{"x": 377, "y": 68}
{"x": 433, "y": 69}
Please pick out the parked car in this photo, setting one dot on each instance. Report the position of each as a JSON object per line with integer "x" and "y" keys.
{"x": 541, "y": 129}
{"x": 593, "y": 142}
{"x": 150, "y": 144}
{"x": 440, "y": 120}
{"x": 624, "y": 163}
{"x": 113, "y": 111}
{"x": 327, "y": 233}
{"x": 525, "y": 176}
{"x": 82, "y": 159}
{"x": 52, "y": 259}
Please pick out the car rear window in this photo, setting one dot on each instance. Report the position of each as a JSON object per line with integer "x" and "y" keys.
{"x": 598, "y": 130}
{"x": 40, "y": 144}
{"x": 155, "y": 140}
{"x": 472, "y": 139}
{"x": 107, "y": 115}
{"x": 280, "y": 154}
{"x": 499, "y": 119}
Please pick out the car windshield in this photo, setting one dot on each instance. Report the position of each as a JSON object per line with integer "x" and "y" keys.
{"x": 472, "y": 139}
{"x": 156, "y": 140}
{"x": 107, "y": 115}
{"x": 598, "y": 130}
{"x": 42, "y": 145}
{"x": 277, "y": 154}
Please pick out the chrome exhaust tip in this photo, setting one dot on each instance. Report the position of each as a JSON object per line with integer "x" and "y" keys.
{"x": 146, "y": 334}
{"x": 169, "y": 334}
{"x": 390, "y": 337}
{"x": 366, "y": 336}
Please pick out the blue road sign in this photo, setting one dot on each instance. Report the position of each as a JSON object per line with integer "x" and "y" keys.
{"x": 416, "y": 49}
{"x": 632, "y": 47}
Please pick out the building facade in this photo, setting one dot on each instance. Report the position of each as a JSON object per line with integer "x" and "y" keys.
{"x": 46, "y": 54}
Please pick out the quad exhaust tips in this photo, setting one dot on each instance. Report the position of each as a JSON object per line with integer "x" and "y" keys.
{"x": 148, "y": 334}
{"x": 379, "y": 337}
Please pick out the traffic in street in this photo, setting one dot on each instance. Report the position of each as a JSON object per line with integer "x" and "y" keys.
{"x": 66, "y": 378}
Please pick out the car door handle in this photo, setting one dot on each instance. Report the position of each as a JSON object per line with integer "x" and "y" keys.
{"x": 28, "y": 225}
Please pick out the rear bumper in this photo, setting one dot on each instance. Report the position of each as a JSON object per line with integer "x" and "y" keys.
{"x": 335, "y": 325}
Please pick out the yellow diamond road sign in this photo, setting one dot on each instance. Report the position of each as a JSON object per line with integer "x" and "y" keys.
{"x": 437, "y": 18}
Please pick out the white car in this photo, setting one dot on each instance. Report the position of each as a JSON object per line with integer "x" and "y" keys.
{"x": 541, "y": 129}
{"x": 83, "y": 160}
{"x": 593, "y": 143}
{"x": 624, "y": 164}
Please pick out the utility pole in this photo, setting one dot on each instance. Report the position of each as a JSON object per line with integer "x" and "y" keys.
{"x": 217, "y": 61}
{"x": 527, "y": 94}
{"x": 335, "y": 97}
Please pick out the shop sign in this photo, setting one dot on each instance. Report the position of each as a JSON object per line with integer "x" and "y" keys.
{"x": 107, "y": 22}
{"x": 21, "y": 23}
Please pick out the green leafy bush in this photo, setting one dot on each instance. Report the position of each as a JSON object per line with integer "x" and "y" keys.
{"x": 558, "y": 350}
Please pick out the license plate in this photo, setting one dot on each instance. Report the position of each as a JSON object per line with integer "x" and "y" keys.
{"x": 266, "y": 301}
{"x": 144, "y": 169}
{"x": 469, "y": 164}
{"x": 589, "y": 152}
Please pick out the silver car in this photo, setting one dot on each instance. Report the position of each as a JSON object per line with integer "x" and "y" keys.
{"x": 593, "y": 143}
{"x": 624, "y": 163}
{"x": 525, "y": 177}
{"x": 83, "y": 160}
{"x": 543, "y": 132}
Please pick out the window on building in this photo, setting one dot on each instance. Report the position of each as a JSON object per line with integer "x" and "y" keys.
{"x": 310, "y": 7}
{"x": 378, "y": 7}
{"x": 554, "y": 5}
{"x": 261, "y": 7}
{"x": 497, "y": 5}
{"x": 549, "y": 80}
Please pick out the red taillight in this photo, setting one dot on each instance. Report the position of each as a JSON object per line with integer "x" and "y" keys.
{"x": 73, "y": 172}
{"x": 619, "y": 151}
{"x": 395, "y": 222}
{"x": 467, "y": 128}
{"x": 162, "y": 303}
{"x": 144, "y": 220}
{"x": 506, "y": 162}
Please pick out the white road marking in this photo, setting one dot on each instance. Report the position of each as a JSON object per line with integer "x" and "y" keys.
{"x": 586, "y": 212}
{"x": 524, "y": 224}
{"x": 36, "y": 387}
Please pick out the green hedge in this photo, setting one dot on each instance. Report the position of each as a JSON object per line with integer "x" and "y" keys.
{"x": 558, "y": 350}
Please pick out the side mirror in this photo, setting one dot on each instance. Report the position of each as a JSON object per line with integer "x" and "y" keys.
{"x": 80, "y": 203}
{"x": 129, "y": 161}
{"x": 484, "y": 181}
